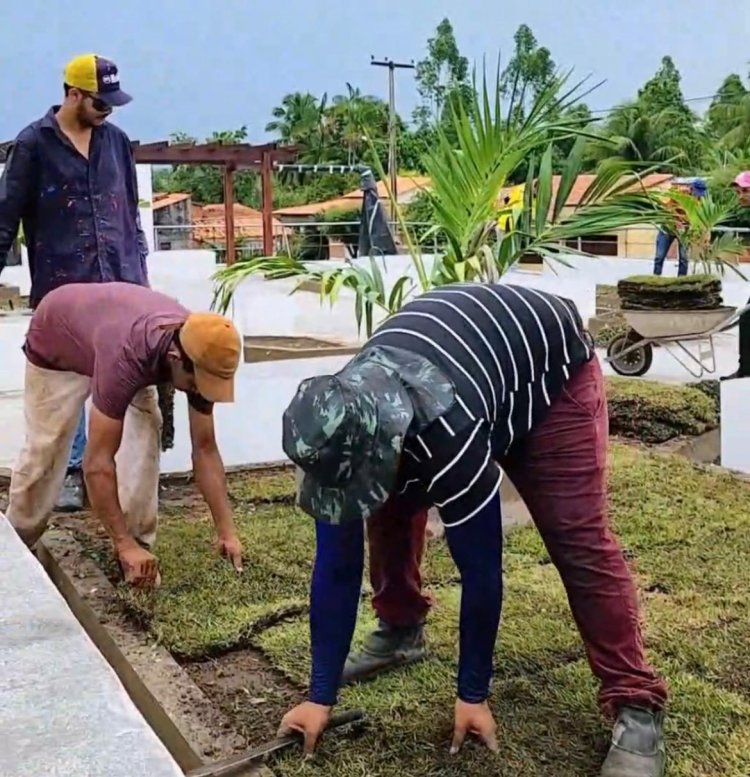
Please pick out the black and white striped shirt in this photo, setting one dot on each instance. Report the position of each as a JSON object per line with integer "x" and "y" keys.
{"x": 508, "y": 351}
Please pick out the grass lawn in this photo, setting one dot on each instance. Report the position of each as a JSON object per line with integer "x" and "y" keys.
{"x": 687, "y": 533}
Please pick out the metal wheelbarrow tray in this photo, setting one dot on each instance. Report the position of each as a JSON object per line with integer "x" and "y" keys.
{"x": 632, "y": 354}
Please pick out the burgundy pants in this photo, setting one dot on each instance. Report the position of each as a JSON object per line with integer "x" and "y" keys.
{"x": 559, "y": 470}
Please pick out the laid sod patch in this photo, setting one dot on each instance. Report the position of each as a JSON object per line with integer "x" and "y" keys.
{"x": 268, "y": 486}
{"x": 686, "y": 533}
{"x": 548, "y": 725}
{"x": 203, "y": 606}
{"x": 652, "y": 412}
{"x": 706, "y": 635}
{"x": 538, "y": 630}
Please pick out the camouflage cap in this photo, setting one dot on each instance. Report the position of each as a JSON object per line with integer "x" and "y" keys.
{"x": 346, "y": 433}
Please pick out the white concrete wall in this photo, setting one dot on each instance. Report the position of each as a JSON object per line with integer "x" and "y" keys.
{"x": 146, "y": 198}
{"x": 735, "y": 441}
{"x": 250, "y": 430}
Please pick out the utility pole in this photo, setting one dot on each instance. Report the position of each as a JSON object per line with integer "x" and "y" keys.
{"x": 392, "y": 160}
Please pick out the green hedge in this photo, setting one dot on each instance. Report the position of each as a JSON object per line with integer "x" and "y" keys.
{"x": 652, "y": 412}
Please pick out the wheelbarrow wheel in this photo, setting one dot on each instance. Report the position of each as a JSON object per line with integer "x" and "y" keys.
{"x": 633, "y": 364}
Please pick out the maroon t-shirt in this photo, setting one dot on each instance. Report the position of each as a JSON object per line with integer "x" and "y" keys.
{"x": 115, "y": 333}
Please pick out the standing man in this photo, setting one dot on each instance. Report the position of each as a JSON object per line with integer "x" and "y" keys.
{"x": 665, "y": 237}
{"x": 115, "y": 342}
{"x": 741, "y": 186}
{"x": 465, "y": 382}
{"x": 70, "y": 180}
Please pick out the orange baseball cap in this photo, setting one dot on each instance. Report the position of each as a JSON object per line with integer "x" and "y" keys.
{"x": 213, "y": 344}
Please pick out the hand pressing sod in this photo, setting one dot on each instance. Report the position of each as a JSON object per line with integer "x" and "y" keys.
{"x": 139, "y": 567}
{"x": 231, "y": 548}
{"x": 474, "y": 719}
{"x": 308, "y": 719}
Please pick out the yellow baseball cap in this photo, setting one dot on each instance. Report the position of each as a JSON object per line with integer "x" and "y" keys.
{"x": 213, "y": 344}
{"x": 98, "y": 76}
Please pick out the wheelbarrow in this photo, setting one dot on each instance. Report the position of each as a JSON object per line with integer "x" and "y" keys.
{"x": 632, "y": 354}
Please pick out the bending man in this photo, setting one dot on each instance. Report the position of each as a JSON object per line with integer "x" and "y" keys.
{"x": 464, "y": 383}
{"x": 115, "y": 342}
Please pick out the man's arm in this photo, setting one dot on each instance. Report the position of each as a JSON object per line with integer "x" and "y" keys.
{"x": 334, "y": 599}
{"x": 476, "y": 546}
{"x": 99, "y": 471}
{"x": 209, "y": 474}
{"x": 15, "y": 190}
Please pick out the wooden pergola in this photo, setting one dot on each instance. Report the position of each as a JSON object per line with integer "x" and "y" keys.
{"x": 230, "y": 157}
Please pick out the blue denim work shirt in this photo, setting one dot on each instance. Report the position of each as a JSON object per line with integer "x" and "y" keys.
{"x": 80, "y": 216}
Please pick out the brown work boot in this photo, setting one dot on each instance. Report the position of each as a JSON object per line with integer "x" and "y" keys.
{"x": 386, "y": 648}
{"x": 637, "y": 748}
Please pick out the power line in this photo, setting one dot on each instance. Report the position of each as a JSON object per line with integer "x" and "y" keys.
{"x": 685, "y": 99}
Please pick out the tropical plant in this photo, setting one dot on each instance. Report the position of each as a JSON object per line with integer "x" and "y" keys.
{"x": 492, "y": 144}
{"x": 698, "y": 225}
{"x": 492, "y": 140}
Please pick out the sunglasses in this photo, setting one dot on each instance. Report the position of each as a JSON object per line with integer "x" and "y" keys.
{"x": 96, "y": 103}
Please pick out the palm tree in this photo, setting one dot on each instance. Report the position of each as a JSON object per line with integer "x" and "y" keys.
{"x": 635, "y": 134}
{"x": 357, "y": 116}
{"x": 299, "y": 121}
{"x": 734, "y": 117}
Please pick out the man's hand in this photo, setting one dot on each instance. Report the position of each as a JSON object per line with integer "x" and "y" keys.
{"x": 310, "y": 720}
{"x": 139, "y": 567}
{"x": 230, "y": 547}
{"x": 473, "y": 719}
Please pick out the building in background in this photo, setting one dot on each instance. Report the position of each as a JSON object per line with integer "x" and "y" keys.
{"x": 173, "y": 218}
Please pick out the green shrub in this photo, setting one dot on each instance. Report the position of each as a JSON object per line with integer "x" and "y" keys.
{"x": 653, "y": 412}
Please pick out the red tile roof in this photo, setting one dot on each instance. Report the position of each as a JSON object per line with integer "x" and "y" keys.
{"x": 405, "y": 183}
{"x": 165, "y": 199}
{"x": 209, "y": 227}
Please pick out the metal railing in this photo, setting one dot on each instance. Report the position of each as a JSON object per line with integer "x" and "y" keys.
{"x": 306, "y": 239}
{"x": 319, "y": 239}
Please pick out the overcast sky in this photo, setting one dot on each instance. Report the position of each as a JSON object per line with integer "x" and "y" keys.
{"x": 227, "y": 63}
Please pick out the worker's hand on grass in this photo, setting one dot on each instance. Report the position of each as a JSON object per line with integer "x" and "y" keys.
{"x": 473, "y": 719}
{"x": 139, "y": 567}
{"x": 309, "y": 719}
{"x": 230, "y": 547}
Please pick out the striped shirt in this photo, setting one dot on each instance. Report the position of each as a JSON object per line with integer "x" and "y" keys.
{"x": 508, "y": 350}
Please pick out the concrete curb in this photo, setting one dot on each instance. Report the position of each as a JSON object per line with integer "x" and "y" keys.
{"x": 161, "y": 690}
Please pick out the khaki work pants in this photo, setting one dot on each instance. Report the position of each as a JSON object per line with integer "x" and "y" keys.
{"x": 53, "y": 401}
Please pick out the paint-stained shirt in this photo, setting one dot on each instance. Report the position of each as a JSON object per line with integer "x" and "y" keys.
{"x": 117, "y": 334}
{"x": 508, "y": 351}
{"x": 80, "y": 216}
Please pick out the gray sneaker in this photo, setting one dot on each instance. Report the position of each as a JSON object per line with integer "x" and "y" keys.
{"x": 637, "y": 748}
{"x": 71, "y": 495}
{"x": 386, "y": 648}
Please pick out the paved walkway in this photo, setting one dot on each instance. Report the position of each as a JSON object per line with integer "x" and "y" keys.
{"x": 63, "y": 711}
